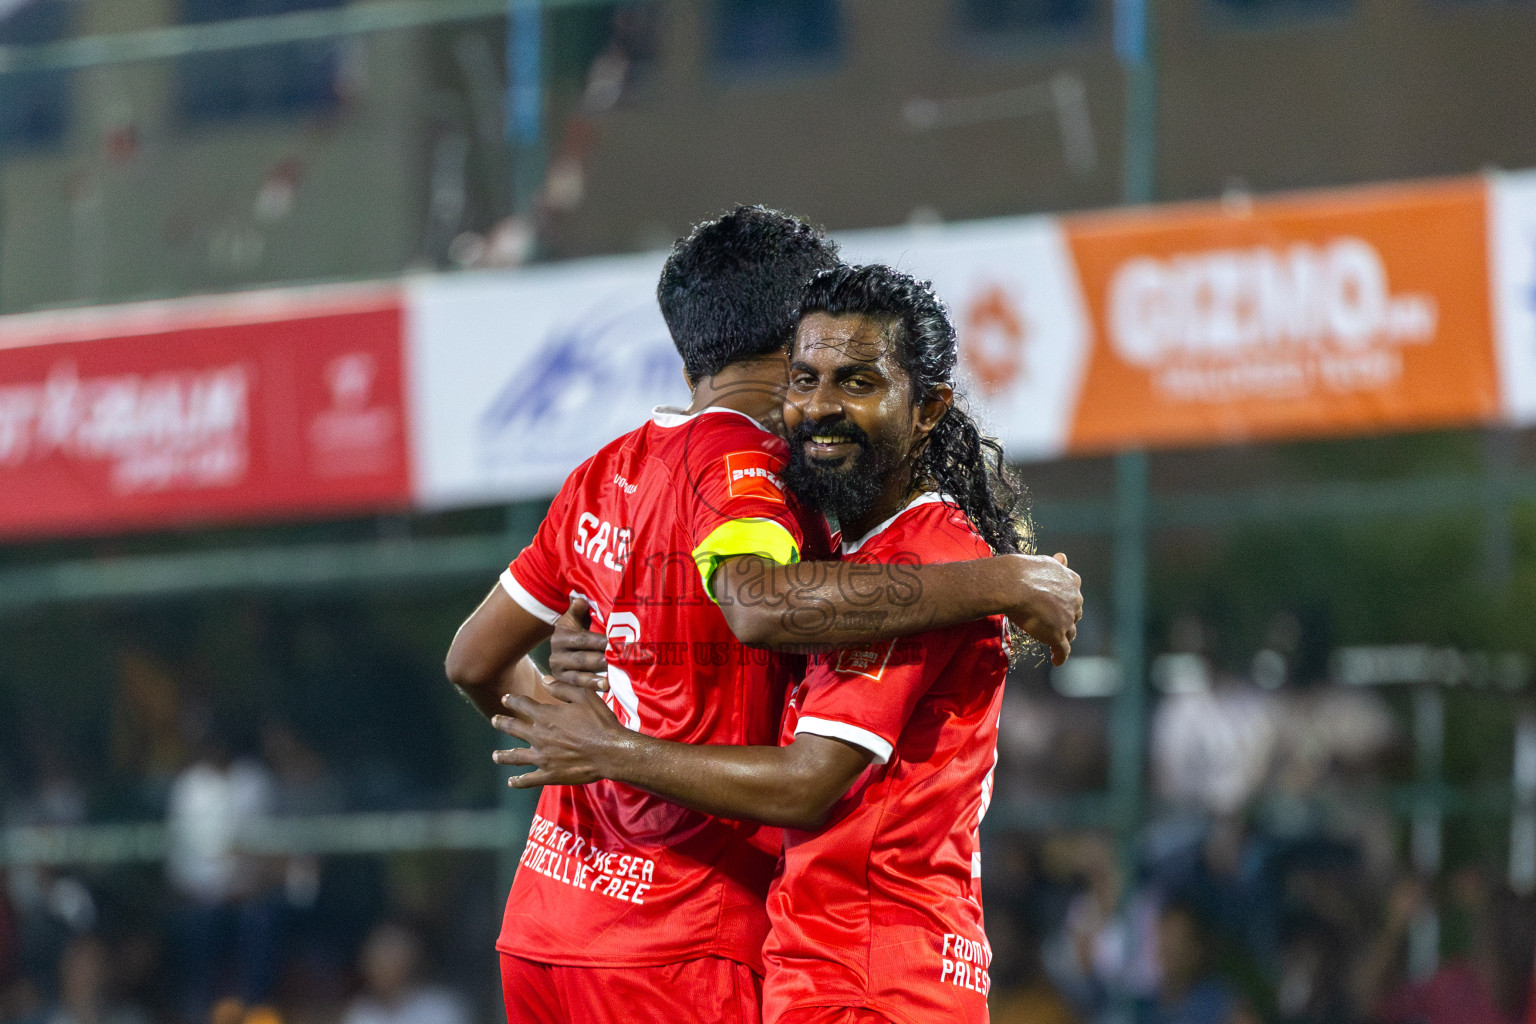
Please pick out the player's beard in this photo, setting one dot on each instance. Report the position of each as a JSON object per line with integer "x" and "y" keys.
{"x": 843, "y": 489}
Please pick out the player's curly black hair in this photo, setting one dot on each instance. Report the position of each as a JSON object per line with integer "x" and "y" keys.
{"x": 729, "y": 290}
{"x": 955, "y": 459}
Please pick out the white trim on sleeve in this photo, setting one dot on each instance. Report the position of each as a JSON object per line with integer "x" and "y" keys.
{"x": 848, "y": 733}
{"x": 528, "y": 602}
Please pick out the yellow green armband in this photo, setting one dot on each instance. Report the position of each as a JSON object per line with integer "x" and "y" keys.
{"x": 761, "y": 537}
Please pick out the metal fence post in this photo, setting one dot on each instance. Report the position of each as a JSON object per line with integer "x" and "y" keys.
{"x": 1128, "y": 715}
{"x": 525, "y": 100}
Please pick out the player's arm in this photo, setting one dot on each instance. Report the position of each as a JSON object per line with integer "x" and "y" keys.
{"x": 488, "y": 658}
{"x": 577, "y": 740}
{"x": 748, "y": 552}
{"x": 775, "y": 602}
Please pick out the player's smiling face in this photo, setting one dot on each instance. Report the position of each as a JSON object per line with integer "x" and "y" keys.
{"x": 849, "y": 416}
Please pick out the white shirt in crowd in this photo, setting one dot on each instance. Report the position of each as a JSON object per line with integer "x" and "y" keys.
{"x": 428, "y": 1004}
{"x": 210, "y": 810}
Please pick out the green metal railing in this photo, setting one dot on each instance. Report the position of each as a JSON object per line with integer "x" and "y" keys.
{"x": 241, "y": 33}
{"x": 366, "y": 564}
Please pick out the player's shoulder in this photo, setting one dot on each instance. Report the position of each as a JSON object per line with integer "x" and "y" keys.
{"x": 600, "y": 461}
{"x": 932, "y": 528}
{"x": 718, "y": 431}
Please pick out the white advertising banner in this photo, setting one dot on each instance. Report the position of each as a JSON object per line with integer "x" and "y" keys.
{"x": 1512, "y": 244}
{"x": 1013, "y": 294}
{"x": 517, "y": 378}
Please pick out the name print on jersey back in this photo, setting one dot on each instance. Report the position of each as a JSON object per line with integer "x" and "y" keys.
{"x": 602, "y": 542}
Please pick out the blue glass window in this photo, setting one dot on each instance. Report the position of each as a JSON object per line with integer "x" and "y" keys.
{"x": 767, "y": 35}
{"x": 288, "y": 78}
{"x": 1265, "y": 11}
{"x": 1022, "y": 18}
{"x": 34, "y": 105}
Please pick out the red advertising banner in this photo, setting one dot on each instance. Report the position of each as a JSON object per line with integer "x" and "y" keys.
{"x": 190, "y": 416}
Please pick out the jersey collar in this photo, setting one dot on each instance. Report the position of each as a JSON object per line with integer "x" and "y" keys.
{"x": 671, "y": 416}
{"x": 928, "y": 498}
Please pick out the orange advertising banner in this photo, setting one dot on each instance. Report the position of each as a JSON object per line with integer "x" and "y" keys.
{"x": 1334, "y": 314}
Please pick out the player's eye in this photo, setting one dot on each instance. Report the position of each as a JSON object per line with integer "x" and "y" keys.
{"x": 802, "y": 382}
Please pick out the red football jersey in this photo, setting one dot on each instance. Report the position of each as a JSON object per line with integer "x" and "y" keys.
{"x": 612, "y": 875}
{"x": 882, "y": 908}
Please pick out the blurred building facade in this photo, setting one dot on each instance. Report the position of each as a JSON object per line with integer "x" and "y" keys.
{"x": 385, "y": 152}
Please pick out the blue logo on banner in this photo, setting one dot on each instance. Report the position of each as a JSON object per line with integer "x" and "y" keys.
{"x": 1530, "y": 296}
{"x": 591, "y": 381}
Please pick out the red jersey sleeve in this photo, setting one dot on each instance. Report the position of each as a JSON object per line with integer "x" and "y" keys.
{"x": 865, "y": 694}
{"x": 740, "y": 505}
{"x": 536, "y": 579}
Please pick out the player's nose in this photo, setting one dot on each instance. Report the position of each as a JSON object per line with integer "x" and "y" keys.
{"x": 822, "y": 404}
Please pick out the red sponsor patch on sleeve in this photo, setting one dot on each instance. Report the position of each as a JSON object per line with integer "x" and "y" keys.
{"x": 868, "y": 661}
{"x": 754, "y": 475}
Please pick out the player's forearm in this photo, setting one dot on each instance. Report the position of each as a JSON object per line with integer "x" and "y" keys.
{"x": 522, "y": 677}
{"x": 835, "y": 603}
{"x": 751, "y": 783}
{"x": 488, "y": 656}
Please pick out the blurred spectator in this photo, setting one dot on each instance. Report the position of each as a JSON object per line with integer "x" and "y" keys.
{"x": 1463, "y": 988}
{"x": 229, "y": 908}
{"x": 147, "y": 734}
{"x": 56, "y": 795}
{"x": 50, "y": 904}
{"x": 18, "y": 995}
{"x": 84, "y": 989}
{"x": 1187, "y": 991}
{"x": 1022, "y": 992}
{"x": 51, "y": 907}
{"x": 1212, "y": 746}
{"x": 1530, "y": 998}
{"x": 1047, "y": 744}
{"x": 1313, "y": 983}
{"x": 391, "y": 966}
{"x": 304, "y": 785}
{"x": 1329, "y": 733}
{"x": 10, "y": 942}
{"x": 318, "y": 946}
{"x": 1103, "y": 953}
{"x": 1226, "y": 871}
{"x": 630, "y": 52}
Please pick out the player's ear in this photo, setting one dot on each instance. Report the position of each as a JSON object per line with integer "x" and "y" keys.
{"x": 932, "y": 409}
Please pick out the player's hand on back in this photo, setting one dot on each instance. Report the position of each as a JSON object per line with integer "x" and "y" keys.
{"x": 568, "y": 741}
{"x": 576, "y": 654}
{"x": 1050, "y": 602}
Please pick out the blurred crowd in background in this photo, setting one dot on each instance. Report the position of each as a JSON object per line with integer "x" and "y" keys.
{"x": 217, "y": 933}
{"x": 1272, "y": 881}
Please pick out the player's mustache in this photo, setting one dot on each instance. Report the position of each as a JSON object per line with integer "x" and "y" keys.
{"x": 840, "y": 430}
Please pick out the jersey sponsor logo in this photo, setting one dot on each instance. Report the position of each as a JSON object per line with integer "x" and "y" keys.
{"x": 754, "y": 475}
{"x": 868, "y": 661}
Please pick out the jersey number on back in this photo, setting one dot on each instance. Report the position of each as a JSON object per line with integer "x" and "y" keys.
{"x": 623, "y": 630}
